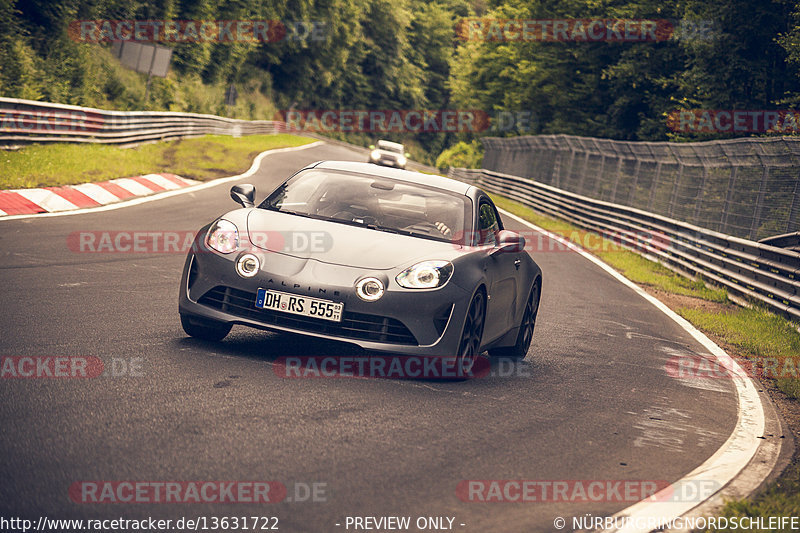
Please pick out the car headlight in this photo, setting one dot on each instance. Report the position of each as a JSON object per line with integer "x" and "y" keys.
{"x": 425, "y": 275}
{"x": 375, "y": 155}
{"x": 247, "y": 266}
{"x": 369, "y": 289}
{"x": 401, "y": 160}
{"x": 223, "y": 236}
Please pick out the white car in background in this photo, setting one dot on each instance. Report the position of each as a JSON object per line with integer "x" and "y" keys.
{"x": 388, "y": 154}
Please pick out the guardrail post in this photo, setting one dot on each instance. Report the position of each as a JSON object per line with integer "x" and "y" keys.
{"x": 582, "y": 181}
{"x": 723, "y": 223}
{"x": 759, "y": 203}
{"x": 700, "y": 193}
{"x": 636, "y": 169}
{"x": 790, "y": 226}
{"x": 674, "y": 197}
{"x": 654, "y": 186}
{"x": 570, "y": 164}
{"x": 616, "y": 180}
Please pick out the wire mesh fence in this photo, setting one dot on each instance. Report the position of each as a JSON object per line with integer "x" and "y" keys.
{"x": 747, "y": 188}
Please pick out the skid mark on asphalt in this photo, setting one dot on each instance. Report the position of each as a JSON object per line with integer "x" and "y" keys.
{"x": 693, "y": 377}
{"x": 632, "y": 332}
{"x": 669, "y": 428}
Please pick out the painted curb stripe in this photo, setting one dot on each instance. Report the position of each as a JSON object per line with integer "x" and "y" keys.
{"x": 133, "y": 186}
{"x": 143, "y": 180}
{"x": 162, "y": 182}
{"x": 48, "y": 200}
{"x": 16, "y": 204}
{"x": 96, "y": 193}
{"x": 178, "y": 180}
{"x": 120, "y": 192}
{"x": 73, "y": 196}
{"x": 86, "y": 195}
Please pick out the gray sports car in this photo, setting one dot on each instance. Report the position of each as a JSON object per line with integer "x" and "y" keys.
{"x": 393, "y": 261}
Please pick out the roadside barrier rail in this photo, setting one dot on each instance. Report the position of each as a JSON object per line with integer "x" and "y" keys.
{"x": 748, "y": 269}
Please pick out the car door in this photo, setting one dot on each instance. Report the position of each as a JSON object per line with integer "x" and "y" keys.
{"x": 501, "y": 273}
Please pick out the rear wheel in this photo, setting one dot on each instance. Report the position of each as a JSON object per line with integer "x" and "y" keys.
{"x": 469, "y": 348}
{"x": 525, "y": 335}
{"x": 207, "y": 330}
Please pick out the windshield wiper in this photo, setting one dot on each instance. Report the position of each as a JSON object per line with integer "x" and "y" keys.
{"x": 406, "y": 232}
{"x": 290, "y": 212}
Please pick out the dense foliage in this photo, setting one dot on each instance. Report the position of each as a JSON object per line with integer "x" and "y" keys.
{"x": 407, "y": 54}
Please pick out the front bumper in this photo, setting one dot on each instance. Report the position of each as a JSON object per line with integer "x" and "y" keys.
{"x": 410, "y": 322}
{"x": 387, "y": 162}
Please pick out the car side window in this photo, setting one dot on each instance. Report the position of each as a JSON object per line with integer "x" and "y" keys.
{"x": 488, "y": 225}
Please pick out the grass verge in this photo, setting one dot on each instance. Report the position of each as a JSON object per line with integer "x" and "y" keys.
{"x": 765, "y": 343}
{"x": 201, "y": 158}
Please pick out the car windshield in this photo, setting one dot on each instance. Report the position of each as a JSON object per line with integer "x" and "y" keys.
{"x": 376, "y": 203}
{"x": 396, "y": 148}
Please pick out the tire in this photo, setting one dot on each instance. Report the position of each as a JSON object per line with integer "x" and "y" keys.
{"x": 471, "y": 335}
{"x": 526, "y": 327}
{"x": 206, "y": 330}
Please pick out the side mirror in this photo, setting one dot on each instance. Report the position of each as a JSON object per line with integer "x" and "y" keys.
{"x": 371, "y": 146}
{"x": 244, "y": 194}
{"x": 507, "y": 242}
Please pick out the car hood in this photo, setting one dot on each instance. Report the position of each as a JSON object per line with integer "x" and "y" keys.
{"x": 340, "y": 244}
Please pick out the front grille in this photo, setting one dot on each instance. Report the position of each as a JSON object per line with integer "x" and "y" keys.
{"x": 353, "y": 325}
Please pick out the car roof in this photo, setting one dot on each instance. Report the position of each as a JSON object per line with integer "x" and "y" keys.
{"x": 430, "y": 180}
{"x": 390, "y": 144}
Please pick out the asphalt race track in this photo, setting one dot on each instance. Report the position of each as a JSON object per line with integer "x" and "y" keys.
{"x": 592, "y": 401}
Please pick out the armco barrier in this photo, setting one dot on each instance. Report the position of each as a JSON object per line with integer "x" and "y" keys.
{"x": 29, "y": 121}
{"x": 748, "y": 269}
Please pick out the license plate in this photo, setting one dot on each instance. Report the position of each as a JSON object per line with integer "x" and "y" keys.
{"x": 299, "y": 305}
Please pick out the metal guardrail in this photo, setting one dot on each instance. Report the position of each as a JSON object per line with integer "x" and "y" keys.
{"x": 752, "y": 270}
{"x": 29, "y": 121}
{"x": 788, "y": 240}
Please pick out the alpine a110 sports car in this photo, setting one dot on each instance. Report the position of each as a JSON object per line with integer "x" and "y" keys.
{"x": 394, "y": 261}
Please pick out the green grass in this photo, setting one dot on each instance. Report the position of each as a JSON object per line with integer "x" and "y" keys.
{"x": 201, "y": 158}
{"x": 782, "y": 498}
{"x": 760, "y": 335}
{"x": 643, "y": 271}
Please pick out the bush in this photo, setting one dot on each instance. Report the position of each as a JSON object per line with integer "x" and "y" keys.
{"x": 461, "y": 155}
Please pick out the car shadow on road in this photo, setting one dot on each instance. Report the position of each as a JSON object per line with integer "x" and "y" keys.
{"x": 296, "y": 356}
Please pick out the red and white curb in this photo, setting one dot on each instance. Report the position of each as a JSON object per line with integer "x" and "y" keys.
{"x": 87, "y": 195}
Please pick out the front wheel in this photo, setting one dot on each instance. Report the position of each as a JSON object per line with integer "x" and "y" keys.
{"x": 204, "y": 329}
{"x": 470, "y": 345}
{"x": 525, "y": 335}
